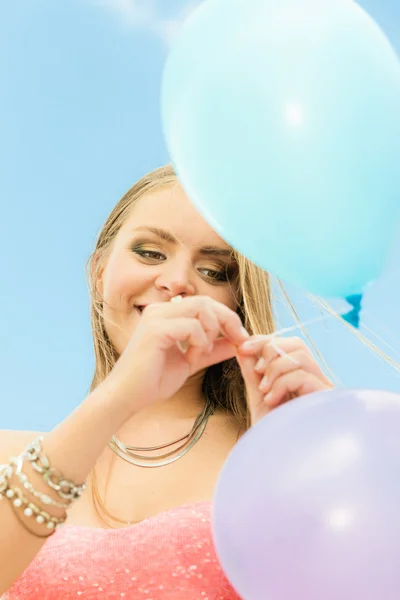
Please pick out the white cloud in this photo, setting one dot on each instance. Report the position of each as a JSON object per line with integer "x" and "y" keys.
{"x": 132, "y": 13}
{"x": 144, "y": 14}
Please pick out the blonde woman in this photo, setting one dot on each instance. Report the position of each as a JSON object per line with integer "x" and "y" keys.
{"x": 183, "y": 367}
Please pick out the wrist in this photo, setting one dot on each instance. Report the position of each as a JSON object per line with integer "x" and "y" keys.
{"x": 117, "y": 400}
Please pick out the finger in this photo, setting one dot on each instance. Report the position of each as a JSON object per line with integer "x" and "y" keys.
{"x": 250, "y": 376}
{"x": 180, "y": 331}
{"x": 297, "y": 382}
{"x": 276, "y": 347}
{"x": 201, "y": 311}
{"x": 282, "y": 365}
{"x": 221, "y": 351}
{"x": 302, "y": 358}
{"x": 257, "y": 343}
{"x": 254, "y": 345}
{"x": 283, "y": 347}
{"x": 229, "y": 321}
{"x": 215, "y": 316}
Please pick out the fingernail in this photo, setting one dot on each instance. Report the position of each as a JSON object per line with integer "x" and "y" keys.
{"x": 260, "y": 364}
{"x": 264, "y": 384}
{"x": 268, "y": 398}
{"x": 210, "y": 348}
{"x": 250, "y": 344}
{"x": 244, "y": 332}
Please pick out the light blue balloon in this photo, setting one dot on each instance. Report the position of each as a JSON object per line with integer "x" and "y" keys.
{"x": 282, "y": 119}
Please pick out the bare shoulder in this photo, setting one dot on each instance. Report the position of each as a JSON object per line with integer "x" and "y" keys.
{"x": 14, "y": 442}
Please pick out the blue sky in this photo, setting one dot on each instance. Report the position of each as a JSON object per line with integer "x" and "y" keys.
{"x": 79, "y": 124}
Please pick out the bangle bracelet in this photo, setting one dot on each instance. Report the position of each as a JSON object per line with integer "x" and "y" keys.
{"x": 66, "y": 489}
{"x": 24, "y": 525}
{"x": 18, "y": 500}
{"x": 44, "y": 498}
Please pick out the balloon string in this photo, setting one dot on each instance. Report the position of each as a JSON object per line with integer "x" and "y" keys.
{"x": 380, "y": 325}
{"x": 299, "y": 325}
{"x": 352, "y": 317}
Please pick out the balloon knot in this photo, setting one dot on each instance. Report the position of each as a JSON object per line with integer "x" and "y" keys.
{"x": 353, "y": 316}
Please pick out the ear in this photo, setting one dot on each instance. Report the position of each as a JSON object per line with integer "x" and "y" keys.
{"x": 97, "y": 274}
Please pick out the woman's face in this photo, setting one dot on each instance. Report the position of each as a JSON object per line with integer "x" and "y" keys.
{"x": 184, "y": 257}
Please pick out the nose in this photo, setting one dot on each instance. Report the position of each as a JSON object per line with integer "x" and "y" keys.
{"x": 175, "y": 280}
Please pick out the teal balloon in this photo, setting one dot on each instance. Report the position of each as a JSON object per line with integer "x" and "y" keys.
{"x": 282, "y": 120}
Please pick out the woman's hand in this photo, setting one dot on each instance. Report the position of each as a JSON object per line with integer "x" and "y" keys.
{"x": 171, "y": 342}
{"x": 276, "y": 370}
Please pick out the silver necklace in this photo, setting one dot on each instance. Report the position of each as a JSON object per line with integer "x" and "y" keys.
{"x": 129, "y": 453}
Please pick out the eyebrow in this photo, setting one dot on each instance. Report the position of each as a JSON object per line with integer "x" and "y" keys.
{"x": 168, "y": 237}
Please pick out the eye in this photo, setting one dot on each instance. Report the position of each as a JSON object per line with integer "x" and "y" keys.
{"x": 149, "y": 254}
{"x": 216, "y": 276}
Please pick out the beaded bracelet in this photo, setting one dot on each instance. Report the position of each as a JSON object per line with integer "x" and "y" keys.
{"x": 18, "y": 500}
{"x": 44, "y": 498}
{"x": 31, "y": 510}
{"x": 39, "y": 535}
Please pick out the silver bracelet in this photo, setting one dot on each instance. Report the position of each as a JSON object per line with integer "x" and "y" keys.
{"x": 66, "y": 489}
{"x": 18, "y": 500}
{"x": 44, "y": 498}
{"x": 5, "y": 474}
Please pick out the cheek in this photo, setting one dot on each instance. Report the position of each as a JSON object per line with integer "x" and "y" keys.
{"x": 119, "y": 279}
{"x": 114, "y": 284}
{"x": 226, "y": 296}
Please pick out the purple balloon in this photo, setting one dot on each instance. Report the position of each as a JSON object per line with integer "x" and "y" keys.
{"x": 307, "y": 505}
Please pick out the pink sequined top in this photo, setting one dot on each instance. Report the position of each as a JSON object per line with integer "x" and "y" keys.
{"x": 170, "y": 556}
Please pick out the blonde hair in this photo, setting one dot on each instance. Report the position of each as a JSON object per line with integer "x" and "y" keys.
{"x": 223, "y": 383}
